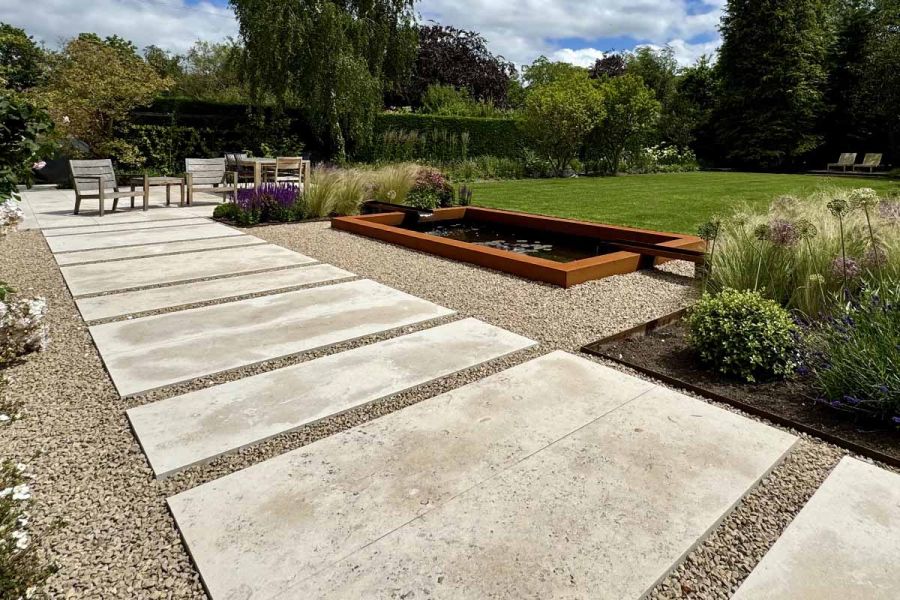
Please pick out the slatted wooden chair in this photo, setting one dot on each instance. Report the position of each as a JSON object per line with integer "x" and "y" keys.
{"x": 288, "y": 169}
{"x": 208, "y": 175}
{"x": 96, "y": 179}
{"x": 869, "y": 164}
{"x": 233, "y": 164}
{"x": 845, "y": 162}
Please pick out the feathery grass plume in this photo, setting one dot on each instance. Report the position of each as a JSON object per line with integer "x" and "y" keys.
{"x": 392, "y": 183}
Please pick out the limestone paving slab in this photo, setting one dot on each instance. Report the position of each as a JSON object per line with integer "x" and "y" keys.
{"x": 845, "y": 543}
{"x": 131, "y": 252}
{"x": 557, "y": 478}
{"x": 136, "y": 237}
{"x": 606, "y": 512}
{"x": 171, "y": 296}
{"x": 149, "y": 271}
{"x": 155, "y": 351}
{"x": 196, "y": 427}
{"x": 348, "y": 490}
{"x": 124, "y": 226}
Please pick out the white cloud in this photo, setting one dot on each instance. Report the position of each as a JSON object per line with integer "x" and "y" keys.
{"x": 583, "y": 57}
{"x": 170, "y": 24}
{"x": 520, "y": 30}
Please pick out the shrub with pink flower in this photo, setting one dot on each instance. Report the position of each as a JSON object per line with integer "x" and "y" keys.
{"x": 431, "y": 189}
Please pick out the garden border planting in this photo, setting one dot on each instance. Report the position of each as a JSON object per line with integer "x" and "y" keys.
{"x": 596, "y": 348}
{"x": 385, "y": 227}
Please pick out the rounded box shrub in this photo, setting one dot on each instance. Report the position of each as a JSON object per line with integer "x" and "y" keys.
{"x": 743, "y": 335}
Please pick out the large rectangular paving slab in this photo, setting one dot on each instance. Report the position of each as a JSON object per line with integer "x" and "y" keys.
{"x": 556, "y": 478}
{"x": 844, "y": 544}
{"x": 137, "y": 237}
{"x": 124, "y": 226}
{"x": 343, "y": 492}
{"x": 151, "y": 352}
{"x": 172, "y": 296}
{"x": 131, "y": 252}
{"x": 196, "y": 427}
{"x": 148, "y": 271}
{"x": 606, "y": 512}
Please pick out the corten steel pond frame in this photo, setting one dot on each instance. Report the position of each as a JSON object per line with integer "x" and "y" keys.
{"x": 386, "y": 227}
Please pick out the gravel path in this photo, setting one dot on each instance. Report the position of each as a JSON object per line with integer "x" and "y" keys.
{"x": 103, "y": 516}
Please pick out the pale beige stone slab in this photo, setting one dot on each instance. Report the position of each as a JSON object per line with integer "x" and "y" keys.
{"x": 155, "y": 351}
{"x": 132, "y": 252}
{"x": 844, "y": 544}
{"x": 139, "y": 237}
{"x": 172, "y": 296}
{"x": 346, "y": 491}
{"x": 149, "y": 271}
{"x": 606, "y": 512}
{"x": 124, "y": 226}
{"x": 184, "y": 430}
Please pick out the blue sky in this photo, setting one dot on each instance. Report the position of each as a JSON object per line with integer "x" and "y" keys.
{"x": 577, "y": 31}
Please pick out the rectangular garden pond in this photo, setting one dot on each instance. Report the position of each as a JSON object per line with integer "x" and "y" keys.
{"x": 558, "y": 251}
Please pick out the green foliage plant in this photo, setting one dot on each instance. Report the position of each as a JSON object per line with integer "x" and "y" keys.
{"x": 24, "y": 130}
{"x": 743, "y": 335}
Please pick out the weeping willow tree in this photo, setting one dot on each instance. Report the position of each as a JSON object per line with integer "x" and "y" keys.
{"x": 333, "y": 58}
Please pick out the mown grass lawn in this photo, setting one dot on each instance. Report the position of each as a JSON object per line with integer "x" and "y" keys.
{"x": 677, "y": 202}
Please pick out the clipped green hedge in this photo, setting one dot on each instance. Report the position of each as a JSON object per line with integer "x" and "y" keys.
{"x": 494, "y": 137}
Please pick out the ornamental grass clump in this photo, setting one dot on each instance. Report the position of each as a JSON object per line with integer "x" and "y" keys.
{"x": 392, "y": 183}
{"x": 743, "y": 335}
{"x": 854, "y": 357}
{"x": 810, "y": 254}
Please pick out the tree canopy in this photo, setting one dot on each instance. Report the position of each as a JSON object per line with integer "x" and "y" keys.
{"x": 333, "y": 58}
{"x": 773, "y": 74}
{"x": 459, "y": 58}
{"x": 22, "y": 61}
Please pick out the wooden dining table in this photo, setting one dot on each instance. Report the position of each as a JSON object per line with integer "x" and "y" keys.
{"x": 262, "y": 164}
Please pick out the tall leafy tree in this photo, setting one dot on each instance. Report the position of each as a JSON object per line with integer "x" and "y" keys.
{"x": 773, "y": 76}
{"x": 543, "y": 71}
{"x": 628, "y": 117}
{"x": 611, "y": 65}
{"x": 559, "y": 114}
{"x": 22, "y": 62}
{"x": 94, "y": 86}
{"x": 334, "y": 58}
{"x": 459, "y": 58}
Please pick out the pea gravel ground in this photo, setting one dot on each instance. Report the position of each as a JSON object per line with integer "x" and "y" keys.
{"x": 101, "y": 516}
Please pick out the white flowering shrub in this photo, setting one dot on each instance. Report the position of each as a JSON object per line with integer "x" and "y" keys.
{"x": 11, "y": 215}
{"x": 21, "y": 570}
{"x": 660, "y": 159}
{"x": 22, "y": 327}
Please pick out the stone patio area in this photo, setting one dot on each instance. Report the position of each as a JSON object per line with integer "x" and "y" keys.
{"x": 557, "y": 477}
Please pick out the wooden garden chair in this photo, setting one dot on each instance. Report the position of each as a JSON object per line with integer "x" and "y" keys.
{"x": 288, "y": 169}
{"x": 96, "y": 179}
{"x": 210, "y": 176}
{"x": 847, "y": 159}
{"x": 233, "y": 162}
{"x": 870, "y": 163}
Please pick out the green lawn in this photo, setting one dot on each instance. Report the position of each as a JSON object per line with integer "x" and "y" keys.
{"x": 677, "y": 202}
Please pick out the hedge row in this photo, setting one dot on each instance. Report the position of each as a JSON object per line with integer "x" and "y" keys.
{"x": 173, "y": 128}
{"x": 487, "y": 137}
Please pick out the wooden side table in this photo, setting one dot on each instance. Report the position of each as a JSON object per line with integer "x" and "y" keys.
{"x": 160, "y": 181}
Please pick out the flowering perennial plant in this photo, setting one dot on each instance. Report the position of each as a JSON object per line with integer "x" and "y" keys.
{"x": 22, "y": 327}
{"x": 11, "y": 215}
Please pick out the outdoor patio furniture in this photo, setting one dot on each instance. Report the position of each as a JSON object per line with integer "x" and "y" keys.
{"x": 847, "y": 160}
{"x": 208, "y": 175}
{"x": 168, "y": 182}
{"x": 261, "y": 165}
{"x": 870, "y": 163}
{"x": 288, "y": 169}
{"x": 96, "y": 179}
{"x": 233, "y": 164}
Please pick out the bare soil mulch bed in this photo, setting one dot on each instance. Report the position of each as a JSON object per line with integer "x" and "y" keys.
{"x": 666, "y": 351}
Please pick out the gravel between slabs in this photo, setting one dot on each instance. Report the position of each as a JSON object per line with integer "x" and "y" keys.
{"x": 103, "y": 517}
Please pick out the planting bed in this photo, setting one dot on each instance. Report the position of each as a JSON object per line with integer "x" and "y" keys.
{"x": 664, "y": 353}
{"x": 558, "y": 251}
